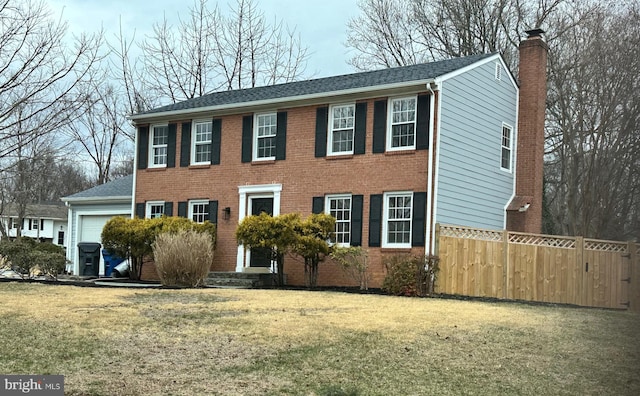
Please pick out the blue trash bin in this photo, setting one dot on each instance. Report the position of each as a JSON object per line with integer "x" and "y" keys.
{"x": 110, "y": 262}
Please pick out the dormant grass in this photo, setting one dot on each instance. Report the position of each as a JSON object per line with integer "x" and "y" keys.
{"x": 255, "y": 342}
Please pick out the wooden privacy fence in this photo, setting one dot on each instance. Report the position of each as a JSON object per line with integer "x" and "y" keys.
{"x": 555, "y": 269}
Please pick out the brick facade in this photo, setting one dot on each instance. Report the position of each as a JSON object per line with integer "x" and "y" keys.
{"x": 302, "y": 176}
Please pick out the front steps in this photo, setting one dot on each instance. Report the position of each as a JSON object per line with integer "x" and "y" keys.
{"x": 240, "y": 280}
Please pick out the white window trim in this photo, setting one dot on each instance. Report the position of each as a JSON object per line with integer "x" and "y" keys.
{"x": 193, "y": 142}
{"x": 150, "y": 162}
{"x": 390, "y": 123}
{"x": 194, "y": 202}
{"x": 498, "y": 71}
{"x": 255, "y": 135}
{"x": 149, "y": 204}
{"x": 385, "y": 220}
{"x": 510, "y": 169}
{"x": 327, "y": 210}
{"x": 330, "y": 130}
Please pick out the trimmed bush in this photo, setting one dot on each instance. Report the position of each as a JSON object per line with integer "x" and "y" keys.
{"x": 183, "y": 258}
{"x": 133, "y": 238}
{"x": 26, "y": 255}
{"x": 410, "y": 275}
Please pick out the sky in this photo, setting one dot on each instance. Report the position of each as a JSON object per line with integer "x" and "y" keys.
{"x": 322, "y": 24}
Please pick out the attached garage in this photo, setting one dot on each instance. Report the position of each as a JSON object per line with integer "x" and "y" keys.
{"x": 90, "y": 210}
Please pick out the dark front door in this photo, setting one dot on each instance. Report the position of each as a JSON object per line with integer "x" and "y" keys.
{"x": 261, "y": 257}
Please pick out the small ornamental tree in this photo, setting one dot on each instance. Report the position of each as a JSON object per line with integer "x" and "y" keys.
{"x": 276, "y": 233}
{"x": 312, "y": 243}
{"x": 133, "y": 238}
{"x": 354, "y": 260}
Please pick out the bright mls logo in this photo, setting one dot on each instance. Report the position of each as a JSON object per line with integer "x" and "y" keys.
{"x": 43, "y": 385}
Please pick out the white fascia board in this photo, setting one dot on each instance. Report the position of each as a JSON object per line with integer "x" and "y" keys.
{"x": 290, "y": 101}
{"x": 97, "y": 200}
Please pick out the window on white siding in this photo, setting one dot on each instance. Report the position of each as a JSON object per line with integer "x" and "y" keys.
{"x": 201, "y": 142}
{"x": 158, "y": 147}
{"x": 402, "y": 123}
{"x": 199, "y": 211}
{"x": 339, "y": 206}
{"x": 155, "y": 209}
{"x": 498, "y": 71}
{"x": 397, "y": 219}
{"x": 341, "y": 129}
{"x": 265, "y": 136}
{"x": 507, "y": 142}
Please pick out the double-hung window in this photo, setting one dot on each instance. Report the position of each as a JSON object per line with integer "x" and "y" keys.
{"x": 199, "y": 211}
{"x": 339, "y": 206}
{"x": 402, "y": 120}
{"x": 265, "y": 136}
{"x": 155, "y": 209}
{"x": 397, "y": 219}
{"x": 341, "y": 124}
{"x": 201, "y": 146}
{"x": 507, "y": 141}
{"x": 158, "y": 149}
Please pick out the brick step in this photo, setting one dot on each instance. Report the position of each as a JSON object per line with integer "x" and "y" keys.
{"x": 239, "y": 279}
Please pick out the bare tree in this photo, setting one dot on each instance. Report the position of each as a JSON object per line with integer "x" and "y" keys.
{"x": 101, "y": 129}
{"x": 210, "y": 51}
{"x": 40, "y": 75}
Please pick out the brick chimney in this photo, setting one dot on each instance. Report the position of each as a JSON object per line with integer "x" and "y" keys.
{"x": 524, "y": 213}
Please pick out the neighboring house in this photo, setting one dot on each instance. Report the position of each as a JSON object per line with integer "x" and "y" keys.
{"x": 48, "y": 223}
{"x": 90, "y": 210}
{"x": 389, "y": 153}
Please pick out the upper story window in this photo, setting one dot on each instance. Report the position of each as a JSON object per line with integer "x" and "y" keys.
{"x": 341, "y": 129}
{"x": 402, "y": 123}
{"x": 154, "y": 209}
{"x": 339, "y": 206}
{"x": 397, "y": 219}
{"x": 266, "y": 127}
{"x": 158, "y": 148}
{"x": 498, "y": 73}
{"x": 199, "y": 211}
{"x": 507, "y": 141}
{"x": 201, "y": 142}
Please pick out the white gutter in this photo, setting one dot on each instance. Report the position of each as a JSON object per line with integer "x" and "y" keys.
{"x": 372, "y": 91}
{"x": 436, "y": 167}
{"x": 430, "y": 170}
{"x": 135, "y": 174}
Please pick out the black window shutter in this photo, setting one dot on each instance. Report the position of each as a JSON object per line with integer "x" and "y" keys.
{"x": 168, "y": 209}
{"x": 140, "y": 210}
{"x": 422, "y": 122}
{"x": 213, "y": 212}
{"x": 185, "y": 144}
{"x": 216, "y": 139}
{"x": 379, "y": 125}
{"x": 247, "y": 138}
{"x": 356, "y": 220}
{"x": 171, "y": 146}
{"x": 375, "y": 220}
{"x": 419, "y": 219}
{"x": 143, "y": 147}
{"x": 318, "y": 205}
{"x": 322, "y": 114}
{"x": 281, "y": 136}
{"x": 182, "y": 209}
{"x": 360, "y": 133}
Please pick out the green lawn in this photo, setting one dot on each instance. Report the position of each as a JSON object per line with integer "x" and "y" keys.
{"x": 255, "y": 342}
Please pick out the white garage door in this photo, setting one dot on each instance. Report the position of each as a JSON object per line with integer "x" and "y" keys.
{"x": 91, "y": 227}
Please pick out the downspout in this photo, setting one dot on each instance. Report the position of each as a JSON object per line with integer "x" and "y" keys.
{"x": 135, "y": 172}
{"x": 432, "y": 87}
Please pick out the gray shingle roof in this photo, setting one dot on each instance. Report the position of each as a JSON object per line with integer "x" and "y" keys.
{"x": 44, "y": 211}
{"x": 423, "y": 71}
{"x": 122, "y": 187}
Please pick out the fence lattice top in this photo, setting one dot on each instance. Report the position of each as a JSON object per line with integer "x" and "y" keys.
{"x": 543, "y": 240}
{"x": 605, "y": 246}
{"x": 470, "y": 233}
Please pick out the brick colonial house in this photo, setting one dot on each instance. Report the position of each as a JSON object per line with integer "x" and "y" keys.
{"x": 389, "y": 153}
